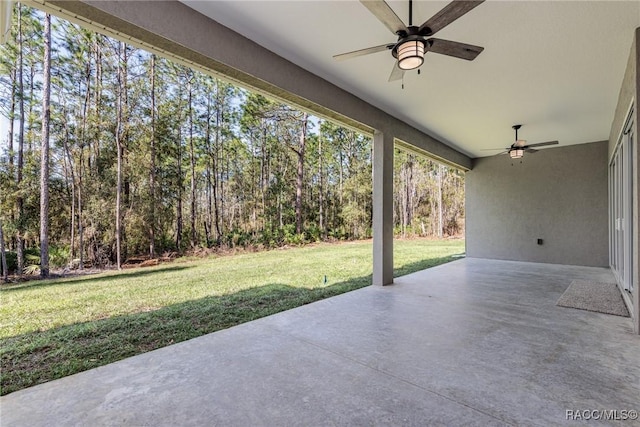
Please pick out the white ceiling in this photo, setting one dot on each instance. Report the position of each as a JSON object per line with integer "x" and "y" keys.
{"x": 554, "y": 66}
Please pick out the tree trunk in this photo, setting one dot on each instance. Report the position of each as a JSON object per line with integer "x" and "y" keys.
{"x": 72, "y": 229}
{"x": 119, "y": 197}
{"x": 341, "y": 177}
{"x": 83, "y": 142}
{"x": 179, "y": 197}
{"x": 321, "y": 190}
{"x": 403, "y": 198}
{"x": 263, "y": 175}
{"x": 3, "y": 256}
{"x": 120, "y": 148}
{"x": 412, "y": 191}
{"x": 10, "y": 136}
{"x": 12, "y": 111}
{"x": 85, "y": 109}
{"x": 30, "y": 116}
{"x": 224, "y": 177}
{"x": 207, "y": 138}
{"x": 79, "y": 211}
{"x": 152, "y": 166}
{"x": 44, "y": 151}
{"x": 97, "y": 96}
{"x": 20, "y": 165}
{"x": 126, "y": 177}
{"x": 407, "y": 193}
{"x": 300, "y": 173}
{"x": 192, "y": 159}
{"x": 440, "y": 225}
{"x": 217, "y": 158}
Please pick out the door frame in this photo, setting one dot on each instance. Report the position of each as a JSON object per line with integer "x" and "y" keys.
{"x": 621, "y": 203}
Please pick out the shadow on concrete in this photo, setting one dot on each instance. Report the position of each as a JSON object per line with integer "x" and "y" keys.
{"x": 423, "y": 264}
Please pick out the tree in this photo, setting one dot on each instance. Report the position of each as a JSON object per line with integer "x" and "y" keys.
{"x": 128, "y": 132}
{"x": 192, "y": 157}
{"x": 120, "y": 133}
{"x": 3, "y": 256}
{"x": 152, "y": 155}
{"x": 20, "y": 165}
{"x": 179, "y": 175}
{"x": 321, "y": 225}
{"x": 439, "y": 200}
{"x": 44, "y": 160}
{"x": 429, "y": 197}
{"x": 300, "y": 152}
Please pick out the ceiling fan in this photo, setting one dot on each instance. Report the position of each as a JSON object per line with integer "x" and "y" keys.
{"x": 520, "y": 146}
{"x": 413, "y": 42}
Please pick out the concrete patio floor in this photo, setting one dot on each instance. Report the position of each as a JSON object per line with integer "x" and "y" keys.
{"x": 473, "y": 342}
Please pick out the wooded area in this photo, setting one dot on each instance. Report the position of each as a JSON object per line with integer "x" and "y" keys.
{"x": 132, "y": 154}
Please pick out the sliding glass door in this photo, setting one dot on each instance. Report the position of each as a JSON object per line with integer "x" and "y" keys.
{"x": 621, "y": 208}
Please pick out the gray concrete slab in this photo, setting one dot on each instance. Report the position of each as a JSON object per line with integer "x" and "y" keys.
{"x": 473, "y": 342}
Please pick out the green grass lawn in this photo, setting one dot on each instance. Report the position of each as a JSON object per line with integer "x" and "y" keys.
{"x": 50, "y": 329}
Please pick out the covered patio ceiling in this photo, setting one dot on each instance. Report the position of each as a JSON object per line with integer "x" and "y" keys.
{"x": 554, "y": 66}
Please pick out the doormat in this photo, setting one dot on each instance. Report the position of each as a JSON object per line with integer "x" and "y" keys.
{"x": 594, "y": 296}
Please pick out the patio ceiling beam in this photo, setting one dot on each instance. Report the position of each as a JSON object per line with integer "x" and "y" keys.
{"x": 172, "y": 29}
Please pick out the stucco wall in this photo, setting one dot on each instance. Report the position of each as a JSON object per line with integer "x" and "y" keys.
{"x": 558, "y": 195}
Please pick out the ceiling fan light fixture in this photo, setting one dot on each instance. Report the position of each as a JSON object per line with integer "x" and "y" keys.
{"x": 410, "y": 54}
{"x": 516, "y": 153}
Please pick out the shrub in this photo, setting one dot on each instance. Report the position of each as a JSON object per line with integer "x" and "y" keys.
{"x": 313, "y": 233}
{"x": 294, "y": 239}
{"x": 32, "y": 257}
{"x": 31, "y": 270}
{"x": 12, "y": 261}
{"x": 59, "y": 256}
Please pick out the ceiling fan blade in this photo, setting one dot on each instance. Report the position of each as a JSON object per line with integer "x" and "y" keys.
{"x": 385, "y": 14}
{"x": 397, "y": 73}
{"x": 531, "y": 150}
{"x": 361, "y": 52}
{"x": 455, "y": 49}
{"x": 542, "y": 144}
{"x": 493, "y": 149}
{"x": 447, "y": 15}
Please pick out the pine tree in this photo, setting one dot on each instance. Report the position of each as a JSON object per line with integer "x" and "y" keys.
{"x": 44, "y": 160}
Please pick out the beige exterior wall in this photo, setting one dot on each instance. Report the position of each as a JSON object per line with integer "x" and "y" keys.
{"x": 558, "y": 195}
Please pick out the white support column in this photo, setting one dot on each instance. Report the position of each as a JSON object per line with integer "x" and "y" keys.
{"x": 382, "y": 208}
{"x": 6, "y": 7}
